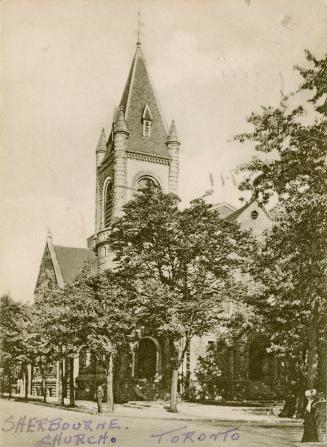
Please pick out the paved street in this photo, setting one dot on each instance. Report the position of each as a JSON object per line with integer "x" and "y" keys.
{"x": 57, "y": 427}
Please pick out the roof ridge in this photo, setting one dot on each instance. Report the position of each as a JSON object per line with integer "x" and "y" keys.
{"x": 55, "y": 263}
{"x": 225, "y": 204}
{"x": 66, "y": 246}
{"x": 131, "y": 76}
{"x": 156, "y": 96}
{"x": 236, "y": 213}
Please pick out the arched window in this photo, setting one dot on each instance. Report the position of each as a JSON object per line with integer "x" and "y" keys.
{"x": 147, "y": 182}
{"x": 108, "y": 202}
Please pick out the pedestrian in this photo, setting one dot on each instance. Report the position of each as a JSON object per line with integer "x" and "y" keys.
{"x": 100, "y": 395}
{"x": 310, "y": 430}
{"x": 319, "y": 413}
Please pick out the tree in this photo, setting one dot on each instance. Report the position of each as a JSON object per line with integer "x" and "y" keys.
{"x": 97, "y": 315}
{"x": 38, "y": 344}
{"x": 55, "y": 335}
{"x": 291, "y": 267}
{"x": 14, "y": 318}
{"x": 182, "y": 263}
{"x": 209, "y": 374}
{"x": 315, "y": 79}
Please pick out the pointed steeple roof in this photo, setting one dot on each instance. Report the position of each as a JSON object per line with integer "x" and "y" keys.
{"x": 120, "y": 124}
{"x": 101, "y": 146}
{"x": 173, "y": 136}
{"x": 138, "y": 96}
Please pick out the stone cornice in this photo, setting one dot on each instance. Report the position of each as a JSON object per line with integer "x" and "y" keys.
{"x": 146, "y": 157}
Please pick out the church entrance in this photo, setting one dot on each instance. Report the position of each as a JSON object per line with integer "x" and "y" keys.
{"x": 147, "y": 359}
{"x": 259, "y": 361}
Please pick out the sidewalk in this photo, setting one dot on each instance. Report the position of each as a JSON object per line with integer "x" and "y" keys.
{"x": 194, "y": 411}
{"x": 186, "y": 412}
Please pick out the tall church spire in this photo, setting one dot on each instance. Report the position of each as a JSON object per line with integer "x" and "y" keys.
{"x": 139, "y": 150}
{"x": 147, "y": 136}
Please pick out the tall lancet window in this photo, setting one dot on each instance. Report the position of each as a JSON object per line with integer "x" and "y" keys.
{"x": 146, "y": 121}
{"x": 108, "y": 202}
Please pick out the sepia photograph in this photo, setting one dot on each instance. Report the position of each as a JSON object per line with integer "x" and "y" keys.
{"x": 163, "y": 265}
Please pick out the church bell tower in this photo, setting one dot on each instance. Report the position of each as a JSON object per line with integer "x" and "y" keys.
{"x": 139, "y": 149}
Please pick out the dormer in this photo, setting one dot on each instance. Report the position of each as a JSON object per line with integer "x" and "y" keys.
{"x": 146, "y": 121}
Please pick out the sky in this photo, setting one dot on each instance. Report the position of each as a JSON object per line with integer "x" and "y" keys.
{"x": 64, "y": 65}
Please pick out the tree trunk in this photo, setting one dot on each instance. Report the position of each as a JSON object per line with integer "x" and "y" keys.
{"x": 26, "y": 384}
{"x": 71, "y": 383}
{"x": 173, "y": 390}
{"x": 178, "y": 358}
{"x": 64, "y": 378}
{"x": 9, "y": 380}
{"x": 186, "y": 391}
{"x": 110, "y": 395}
{"x": 44, "y": 388}
{"x": 312, "y": 354}
{"x": 60, "y": 396}
{"x": 322, "y": 364}
{"x": 300, "y": 405}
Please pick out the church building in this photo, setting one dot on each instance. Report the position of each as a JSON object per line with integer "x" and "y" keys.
{"x": 140, "y": 149}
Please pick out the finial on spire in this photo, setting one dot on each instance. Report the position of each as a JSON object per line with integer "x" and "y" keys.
{"x": 49, "y": 235}
{"x": 139, "y": 30}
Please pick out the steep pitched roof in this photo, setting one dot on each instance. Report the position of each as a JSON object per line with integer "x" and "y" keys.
{"x": 224, "y": 209}
{"x": 60, "y": 265}
{"x": 232, "y": 217}
{"x": 138, "y": 94}
{"x": 71, "y": 260}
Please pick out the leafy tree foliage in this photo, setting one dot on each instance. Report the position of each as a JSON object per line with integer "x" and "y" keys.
{"x": 14, "y": 318}
{"x": 315, "y": 79}
{"x": 291, "y": 267}
{"x": 182, "y": 263}
{"x": 94, "y": 313}
{"x": 39, "y": 344}
{"x": 54, "y": 336}
{"x": 209, "y": 374}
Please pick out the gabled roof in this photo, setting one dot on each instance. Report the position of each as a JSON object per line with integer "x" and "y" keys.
{"x": 233, "y": 217}
{"x": 147, "y": 115}
{"x": 71, "y": 260}
{"x": 224, "y": 209}
{"x": 139, "y": 93}
{"x": 65, "y": 263}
